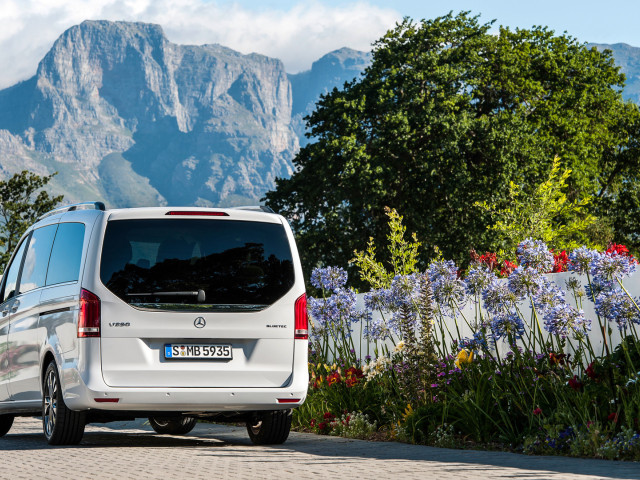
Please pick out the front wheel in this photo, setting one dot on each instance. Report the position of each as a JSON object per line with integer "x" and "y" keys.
{"x": 270, "y": 428}
{"x": 5, "y": 424}
{"x": 61, "y": 426}
{"x": 172, "y": 425}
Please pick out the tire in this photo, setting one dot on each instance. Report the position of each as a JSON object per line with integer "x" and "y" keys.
{"x": 271, "y": 428}
{"x": 173, "y": 425}
{"x": 5, "y": 424}
{"x": 61, "y": 426}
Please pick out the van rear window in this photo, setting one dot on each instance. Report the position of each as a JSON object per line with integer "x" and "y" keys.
{"x": 194, "y": 264}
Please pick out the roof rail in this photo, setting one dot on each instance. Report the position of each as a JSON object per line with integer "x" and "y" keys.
{"x": 75, "y": 206}
{"x": 255, "y": 208}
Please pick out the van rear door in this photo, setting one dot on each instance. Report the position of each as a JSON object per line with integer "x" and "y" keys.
{"x": 197, "y": 302}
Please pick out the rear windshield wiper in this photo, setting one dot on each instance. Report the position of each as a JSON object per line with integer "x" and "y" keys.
{"x": 200, "y": 294}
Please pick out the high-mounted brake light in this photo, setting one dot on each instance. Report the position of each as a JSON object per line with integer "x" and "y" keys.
{"x": 301, "y": 324}
{"x": 195, "y": 212}
{"x": 89, "y": 316}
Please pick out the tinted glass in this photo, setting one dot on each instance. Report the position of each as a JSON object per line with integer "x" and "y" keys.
{"x": 196, "y": 264}
{"x": 64, "y": 265}
{"x": 12, "y": 273}
{"x": 36, "y": 260}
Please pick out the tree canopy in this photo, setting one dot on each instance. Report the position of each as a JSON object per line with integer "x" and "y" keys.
{"x": 448, "y": 114}
{"x": 21, "y": 203}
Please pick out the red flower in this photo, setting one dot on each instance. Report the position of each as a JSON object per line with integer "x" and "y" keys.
{"x": 490, "y": 260}
{"x": 317, "y": 382}
{"x": 322, "y": 426}
{"x": 537, "y": 411}
{"x": 591, "y": 373}
{"x": 334, "y": 378}
{"x": 618, "y": 249}
{"x": 507, "y": 268}
{"x": 329, "y": 416}
{"x": 354, "y": 372}
{"x": 312, "y": 423}
{"x": 351, "y": 381}
{"x": 613, "y": 417}
{"x": 575, "y": 383}
{"x": 560, "y": 262}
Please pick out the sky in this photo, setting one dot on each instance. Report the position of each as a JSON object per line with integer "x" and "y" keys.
{"x": 297, "y": 32}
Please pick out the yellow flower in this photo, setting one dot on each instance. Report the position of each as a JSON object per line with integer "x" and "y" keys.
{"x": 464, "y": 356}
{"x": 399, "y": 346}
{"x": 407, "y": 412}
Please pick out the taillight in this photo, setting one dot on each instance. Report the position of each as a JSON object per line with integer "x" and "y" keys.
{"x": 301, "y": 324}
{"x": 89, "y": 316}
{"x": 196, "y": 212}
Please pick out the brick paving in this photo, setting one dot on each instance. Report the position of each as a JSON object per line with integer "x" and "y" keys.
{"x": 218, "y": 452}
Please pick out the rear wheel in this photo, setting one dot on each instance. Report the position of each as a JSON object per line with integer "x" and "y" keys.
{"x": 172, "y": 425}
{"x": 61, "y": 426}
{"x": 270, "y": 428}
{"x": 5, "y": 424}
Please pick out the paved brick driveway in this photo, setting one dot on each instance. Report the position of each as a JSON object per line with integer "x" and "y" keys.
{"x": 214, "y": 452}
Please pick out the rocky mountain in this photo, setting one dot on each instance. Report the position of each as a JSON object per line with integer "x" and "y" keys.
{"x": 628, "y": 58}
{"x": 331, "y": 71}
{"x": 127, "y": 117}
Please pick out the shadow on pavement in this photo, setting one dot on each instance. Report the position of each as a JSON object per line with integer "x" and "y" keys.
{"x": 329, "y": 450}
{"x": 323, "y": 450}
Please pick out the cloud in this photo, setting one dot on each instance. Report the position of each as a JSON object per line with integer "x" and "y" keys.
{"x": 298, "y": 35}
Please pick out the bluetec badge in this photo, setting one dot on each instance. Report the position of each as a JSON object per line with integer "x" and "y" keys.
{"x": 167, "y": 351}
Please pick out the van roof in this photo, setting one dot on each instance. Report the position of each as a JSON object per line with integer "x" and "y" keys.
{"x": 256, "y": 212}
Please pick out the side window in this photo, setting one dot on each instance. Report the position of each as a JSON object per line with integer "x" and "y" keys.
{"x": 36, "y": 260}
{"x": 11, "y": 273}
{"x": 66, "y": 254}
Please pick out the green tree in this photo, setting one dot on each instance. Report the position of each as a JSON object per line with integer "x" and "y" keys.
{"x": 447, "y": 115}
{"x": 547, "y": 214}
{"x": 21, "y": 203}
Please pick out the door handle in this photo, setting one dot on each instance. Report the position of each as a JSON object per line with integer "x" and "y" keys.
{"x": 15, "y": 306}
{"x": 5, "y": 312}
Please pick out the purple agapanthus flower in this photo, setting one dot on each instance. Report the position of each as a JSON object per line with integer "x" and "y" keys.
{"x": 505, "y": 325}
{"x": 580, "y": 260}
{"x": 329, "y": 278}
{"x": 524, "y": 281}
{"x": 616, "y": 306}
{"x": 548, "y": 296}
{"x": 535, "y": 254}
{"x": 606, "y": 269}
{"x": 563, "y": 319}
{"x": 478, "y": 279}
{"x": 497, "y": 296}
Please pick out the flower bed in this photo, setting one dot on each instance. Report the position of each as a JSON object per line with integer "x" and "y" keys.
{"x": 456, "y": 359}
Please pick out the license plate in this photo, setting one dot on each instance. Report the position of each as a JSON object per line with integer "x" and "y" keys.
{"x": 184, "y": 351}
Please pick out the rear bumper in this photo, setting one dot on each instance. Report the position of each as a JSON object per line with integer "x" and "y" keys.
{"x": 85, "y": 389}
{"x": 187, "y": 399}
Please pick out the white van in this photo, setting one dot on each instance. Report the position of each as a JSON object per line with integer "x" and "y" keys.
{"x": 171, "y": 314}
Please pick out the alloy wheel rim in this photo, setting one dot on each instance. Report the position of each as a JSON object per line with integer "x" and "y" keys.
{"x": 50, "y": 404}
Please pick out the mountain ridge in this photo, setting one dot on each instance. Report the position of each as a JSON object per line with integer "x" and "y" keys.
{"x": 128, "y": 117}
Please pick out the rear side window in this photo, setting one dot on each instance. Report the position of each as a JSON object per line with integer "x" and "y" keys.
{"x": 34, "y": 272}
{"x": 193, "y": 264}
{"x": 66, "y": 254}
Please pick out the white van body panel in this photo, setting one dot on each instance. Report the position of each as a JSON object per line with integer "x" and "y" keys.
{"x": 127, "y": 363}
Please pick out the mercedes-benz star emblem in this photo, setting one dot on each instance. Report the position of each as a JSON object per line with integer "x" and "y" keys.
{"x": 199, "y": 322}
